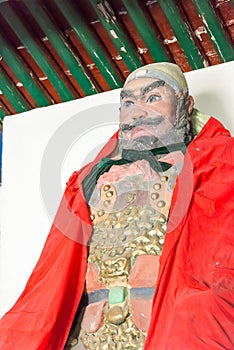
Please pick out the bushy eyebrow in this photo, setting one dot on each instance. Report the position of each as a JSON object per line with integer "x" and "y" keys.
{"x": 145, "y": 90}
{"x": 152, "y": 86}
{"x": 126, "y": 93}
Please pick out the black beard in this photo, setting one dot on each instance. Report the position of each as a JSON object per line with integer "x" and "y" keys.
{"x": 141, "y": 143}
{"x": 148, "y": 142}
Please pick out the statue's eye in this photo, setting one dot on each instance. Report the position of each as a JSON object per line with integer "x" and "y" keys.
{"x": 128, "y": 103}
{"x": 153, "y": 98}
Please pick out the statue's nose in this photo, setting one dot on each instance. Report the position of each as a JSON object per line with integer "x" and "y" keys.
{"x": 138, "y": 112}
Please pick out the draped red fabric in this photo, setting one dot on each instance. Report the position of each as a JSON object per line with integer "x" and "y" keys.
{"x": 194, "y": 298}
{"x": 193, "y": 302}
{"x": 42, "y": 316}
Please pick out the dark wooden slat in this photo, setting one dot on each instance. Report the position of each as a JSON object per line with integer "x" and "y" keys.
{"x": 76, "y": 46}
{"x": 109, "y": 46}
{"x": 208, "y": 50}
{"x": 22, "y": 89}
{"x": 43, "y": 79}
{"x": 88, "y": 62}
{"x": 225, "y": 9}
{"x": 6, "y": 106}
{"x": 168, "y": 36}
{"x": 73, "y": 85}
{"x": 24, "y": 31}
{"x": 130, "y": 28}
{"x": 33, "y": 68}
{"x": 215, "y": 29}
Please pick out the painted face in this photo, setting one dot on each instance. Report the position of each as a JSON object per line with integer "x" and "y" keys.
{"x": 147, "y": 114}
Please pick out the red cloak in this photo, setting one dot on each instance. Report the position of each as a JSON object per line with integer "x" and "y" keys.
{"x": 193, "y": 302}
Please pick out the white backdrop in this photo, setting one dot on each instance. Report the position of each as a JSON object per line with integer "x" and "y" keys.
{"x": 42, "y": 148}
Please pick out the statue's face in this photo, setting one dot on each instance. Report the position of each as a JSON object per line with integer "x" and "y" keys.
{"x": 147, "y": 114}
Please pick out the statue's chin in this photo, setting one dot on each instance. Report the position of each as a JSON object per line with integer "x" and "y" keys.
{"x": 141, "y": 143}
{"x": 147, "y": 143}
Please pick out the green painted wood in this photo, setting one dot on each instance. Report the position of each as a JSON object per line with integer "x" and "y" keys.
{"x": 61, "y": 47}
{"x": 214, "y": 30}
{"x": 35, "y": 51}
{"x": 108, "y": 20}
{"x": 24, "y": 77}
{"x": 2, "y": 115}
{"x": 182, "y": 34}
{"x": 86, "y": 37}
{"x": 137, "y": 16}
{"x": 12, "y": 95}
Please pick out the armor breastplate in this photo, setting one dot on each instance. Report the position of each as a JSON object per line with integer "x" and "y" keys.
{"x": 129, "y": 224}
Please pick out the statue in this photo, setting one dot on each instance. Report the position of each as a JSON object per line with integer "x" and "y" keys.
{"x": 139, "y": 255}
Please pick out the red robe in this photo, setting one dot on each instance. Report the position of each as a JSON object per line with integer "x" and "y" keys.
{"x": 193, "y": 302}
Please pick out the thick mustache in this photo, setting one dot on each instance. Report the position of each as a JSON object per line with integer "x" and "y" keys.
{"x": 142, "y": 121}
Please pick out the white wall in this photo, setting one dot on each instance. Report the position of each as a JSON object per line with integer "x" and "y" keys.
{"x": 42, "y": 148}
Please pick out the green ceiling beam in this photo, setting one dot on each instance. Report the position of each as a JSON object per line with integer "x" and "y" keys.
{"x": 61, "y": 47}
{"x": 2, "y": 114}
{"x": 12, "y": 95}
{"x": 182, "y": 34}
{"x": 24, "y": 77}
{"x": 145, "y": 31}
{"x": 76, "y": 21}
{"x": 214, "y": 30}
{"x": 35, "y": 51}
{"x": 108, "y": 20}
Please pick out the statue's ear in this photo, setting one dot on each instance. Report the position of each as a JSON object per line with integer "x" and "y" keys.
{"x": 191, "y": 104}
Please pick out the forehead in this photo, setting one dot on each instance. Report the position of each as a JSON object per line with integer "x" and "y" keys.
{"x": 137, "y": 86}
{"x": 139, "y": 83}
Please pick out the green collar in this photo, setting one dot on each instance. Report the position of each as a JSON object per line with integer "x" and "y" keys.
{"x": 130, "y": 156}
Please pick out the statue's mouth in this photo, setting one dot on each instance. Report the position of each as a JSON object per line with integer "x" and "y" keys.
{"x": 140, "y": 131}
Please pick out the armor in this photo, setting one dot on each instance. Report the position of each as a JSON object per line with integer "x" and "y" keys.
{"x": 129, "y": 224}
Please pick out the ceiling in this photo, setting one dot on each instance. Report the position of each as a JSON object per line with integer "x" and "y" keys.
{"x": 58, "y": 50}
